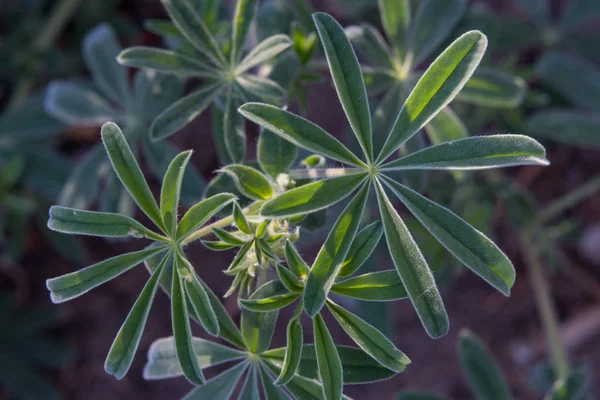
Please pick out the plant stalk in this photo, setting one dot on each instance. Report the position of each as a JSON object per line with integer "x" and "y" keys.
{"x": 545, "y": 306}
{"x": 47, "y": 36}
{"x": 569, "y": 200}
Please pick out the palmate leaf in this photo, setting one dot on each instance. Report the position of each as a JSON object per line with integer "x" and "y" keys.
{"x": 437, "y": 87}
{"x": 295, "y": 261}
{"x": 412, "y": 269}
{"x": 289, "y": 280}
{"x": 250, "y": 390}
{"x": 332, "y": 254}
{"x": 348, "y": 79}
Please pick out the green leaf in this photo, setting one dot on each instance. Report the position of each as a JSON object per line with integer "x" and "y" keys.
{"x": 166, "y": 61}
{"x": 184, "y": 110}
{"x": 572, "y": 76}
{"x": 370, "y": 45}
{"x": 446, "y": 127}
{"x": 466, "y": 243}
{"x": 249, "y": 181}
{"x": 488, "y": 87}
{"x": 218, "y": 246}
{"x": 570, "y": 127}
{"x": 395, "y": 18}
{"x": 347, "y": 78}
{"x": 300, "y": 387}
{"x": 200, "y": 213}
{"x": 100, "y": 50}
{"x": 79, "y": 222}
{"x": 250, "y": 390}
{"x": 264, "y": 51}
{"x": 412, "y": 269}
{"x": 385, "y": 114}
{"x": 269, "y": 297}
{"x": 221, "y": 386}
{"x": 75, "y": 284}
{"x": 295, "y": 261}
{"x": 363, "y": 245}
{"x": 434, "y": 21}
{"x": 332, "y": 254}
{"x": 76, "y": 105}
{"x": 442, "y": 81}
{"x": 126, "y": 342}
{"x": 574, "y": 386}
{"x": 358, "y": 366}
{"x": 275, "y": 155}
{"x": 312, "y": 197}
{"x": 228, "y": 237}
{"x": 162, "y": 357}
{"x": 193, "y": 28}
{"x": 299, "y": 131}
{"x": 373, "y": 286}
{"x": 234, "y": 135}
{"x": 475, "y": 152}
{"x": 293, "y": 352}
{"x": 258, "y": 328}
{"x": 171, "y": 189}
{"x": 258, "y": 88}
{"x": 368, "y": 338}
{"x": 289, "y": 280}
{"x": 420, "y": 395}
{"x": 245, "y": 12}
{"x": 182, "y": 331}
{"x": 480, "y": 369}
{"x": 200, "y": 301}
{"x": 129, "y": 172}
{"x": 272, "y": 392}
{"x": 240, "y": 219}
{"x": 328, "y": 361}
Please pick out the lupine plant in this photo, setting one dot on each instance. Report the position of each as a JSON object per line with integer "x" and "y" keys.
{"x": 265, "y": 229}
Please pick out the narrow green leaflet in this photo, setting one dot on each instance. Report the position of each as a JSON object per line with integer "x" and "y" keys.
{"x": 249, "y": 181}
{"x": 258, "y": 327}
{"x": 245, "y": 10}
{"x": 395, "y": 17}
{"x": 125, "y": 345}
{"x": 442, "y": 81}
{"x": 272, "y": 391}
{"x": 385, "y": 114}
{"x": 348, "y": 79}
{"x": 240, "y": 219}
{"x": 299, "y": 131}
{"x": 289, "y": 280}
{"x": 271, "y": 303}
{"x": 434, "y": 21}
{"x": 264, "y": 51}
{"x": 373, "y": 286}
{"x": 165, "y": 61}
{"x": 446, "y": 127}
{"x": 77, "y": 105}
{"x": 302, "y": 388}
{"x": 275, "y": 154}
{"x": 200, "y": 213}
{"x": 295, "y": 261}
{"x": 182, "y": 331}
{"x": 129, "y": 172}
{"x": 162, "y": 357}
{"x": 570, "y": 127}
{"x": 368, "y": 338}
{"x": 332, "y": 254}
{"x": 228, "y": 237}
{"x": 363, "y": 245}
{"x": 465, "y": 242}
{"x": 488, "y": 87}
{"x": 184, "y": 110}
{"x": 328, "y": 361}
{"x": 228, "y": 330}
{"x": 220, "y": 387}
{"x": 80, "y": 222}
{"x": 475, "y": 152}
{"x": 250, "y": 390}
{"x": 70, "y": 286}
{"x": 413, "y": 269}
{"x": 200, "y": 302}
{"x": 312, "y": 197}
{"x": 293, "y": 352}
{"x": 370, "y": 45}
{"x": 257, "y": 88}
{"x": 234, "y": 134}
{"x": 193, "y": 28}
{"x": 480, "y": 369}
{"x": 171, "y": 190}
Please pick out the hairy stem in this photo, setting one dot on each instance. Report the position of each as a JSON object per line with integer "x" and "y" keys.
{"x": 251, "y": 210}
{"x": 545, "y": 306}
{"x": 319, "y": 173}
{"x": 47, "y": 36}
{"x": 568, "y": 200}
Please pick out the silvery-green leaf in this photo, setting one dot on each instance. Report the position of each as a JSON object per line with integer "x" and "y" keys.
{"x": 234, "y": 135}
{"x": 258, "y": 327}
{"x": 370, "y": 45}
{"x": 171, "y": 189}
{"x": 296, "y": 263}
{"x": 221, "y": 386}
{"x": 264, "y": 51}
{"x": 166, "y": 61}
{"x": 76, "y": 105}
{"x": 289, "y": 280}
{"x": 270, "y": 297}
{"x": 250, "y": 390}
{"x": 249, "y": 181}
{"x": 372, "y": 286}
{"x": 245, "y": 11}
{"x": 200, "y": 213}
{"x": 570, "y": 127}
{"x": 275, "y": 154}
{"x": 396, "y": 19}
{"x": 198, "y": 298}
{"x": 293, "y": 351}
{"x": 329, "y": 364}
{"x": 257, "y": 88}
{"x": 488, "y": 87}
{"x": 272, "y": 391}
{"x": 363, "y": 245}
{"x": 446, "y": 127}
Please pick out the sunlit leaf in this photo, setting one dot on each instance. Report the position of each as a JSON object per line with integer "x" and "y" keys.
{"x": 372, "y": 286}
{"x": 329, "y": 365}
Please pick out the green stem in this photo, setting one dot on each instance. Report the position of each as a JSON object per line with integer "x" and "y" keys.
{"x": 546, "y": 308}
{"x": 47, "y": 36}
{"x": 568, "y": 200}
{"x": 319, "y": 173}
{"x": 251, "y": 210}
